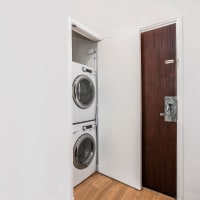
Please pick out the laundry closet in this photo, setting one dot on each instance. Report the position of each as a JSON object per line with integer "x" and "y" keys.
{"x": 106, "y": 103}
{"x": 84, "y": 108}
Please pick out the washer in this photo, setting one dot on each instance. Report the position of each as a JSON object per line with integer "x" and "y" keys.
{"x": 84, "y": 151}
{"x": 83, "y": 93}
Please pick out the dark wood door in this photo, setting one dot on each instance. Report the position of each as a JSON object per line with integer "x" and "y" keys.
{"x": 158, "y": 137}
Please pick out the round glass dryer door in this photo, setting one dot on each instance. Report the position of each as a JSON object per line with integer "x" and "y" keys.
{"x": 84, "y": 150}
{"x": 83, "y": 91}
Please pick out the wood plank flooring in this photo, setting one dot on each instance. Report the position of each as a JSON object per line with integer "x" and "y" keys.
{"x": 100, "y": 187}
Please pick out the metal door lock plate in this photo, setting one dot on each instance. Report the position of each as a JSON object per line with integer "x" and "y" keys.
{"x": 170, "y": 107}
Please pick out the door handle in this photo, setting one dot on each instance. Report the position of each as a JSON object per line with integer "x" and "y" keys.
{"x": 170, "y": 108}
{"x": 163, "y": 114}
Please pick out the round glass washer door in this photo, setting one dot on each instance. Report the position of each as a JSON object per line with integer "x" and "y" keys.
{"x": 83, "y": 91}
{"x": 83, "y": 152}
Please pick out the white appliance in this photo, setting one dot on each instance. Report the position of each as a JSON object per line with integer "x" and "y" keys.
{"x": 83, "y": 93}
{"x": 84, "y": 151}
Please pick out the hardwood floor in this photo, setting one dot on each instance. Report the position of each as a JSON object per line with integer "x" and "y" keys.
{"x": 100, "y": 187}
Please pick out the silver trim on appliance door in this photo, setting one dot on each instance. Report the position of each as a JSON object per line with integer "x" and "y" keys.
{"x": 84, "y": 150}
{"x": 77, "y": 91}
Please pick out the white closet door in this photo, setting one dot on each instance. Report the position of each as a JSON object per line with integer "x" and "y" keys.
{"x": 120, "y": 109}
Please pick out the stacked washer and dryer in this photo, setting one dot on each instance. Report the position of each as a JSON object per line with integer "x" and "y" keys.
{"x": 84, "y": 124}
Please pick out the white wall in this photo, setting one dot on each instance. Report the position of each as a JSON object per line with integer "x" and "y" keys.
{"x": 191, "y": 41}
{"x": 112, "y": 17}
{"x": 34, "y": 143}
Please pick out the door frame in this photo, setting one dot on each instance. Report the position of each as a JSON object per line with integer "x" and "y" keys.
{"x": 179, "y": 58}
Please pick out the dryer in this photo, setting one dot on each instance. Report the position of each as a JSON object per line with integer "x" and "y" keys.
{"x": 83, "y": 93}
{"x": 84, "y": 151}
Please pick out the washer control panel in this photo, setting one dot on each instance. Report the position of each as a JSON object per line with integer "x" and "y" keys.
{"x": 86, "y": 126}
